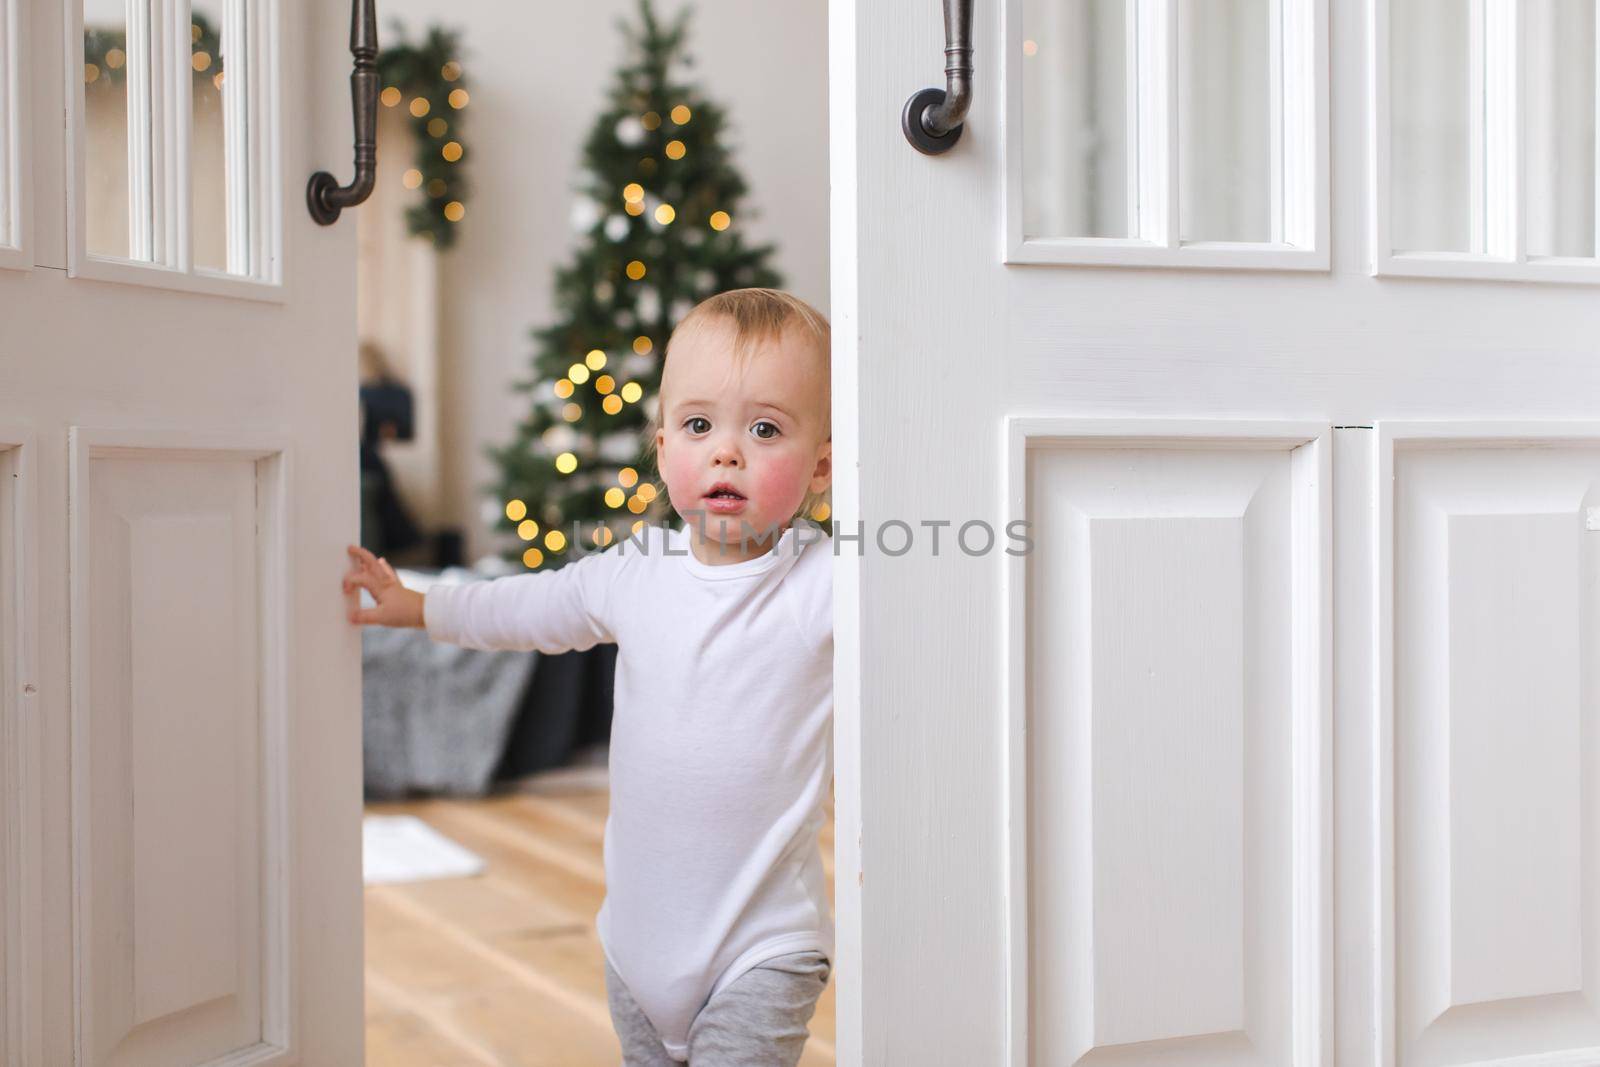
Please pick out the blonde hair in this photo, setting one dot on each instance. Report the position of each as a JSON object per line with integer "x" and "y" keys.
{"x": 757, "y": 315}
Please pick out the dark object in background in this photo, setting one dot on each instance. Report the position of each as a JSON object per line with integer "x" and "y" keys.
{"x": 449, "y": 548}
{"x": 441, "y": 720}
{"x": 387, "y": 414}
{"x": 566, "y": 708}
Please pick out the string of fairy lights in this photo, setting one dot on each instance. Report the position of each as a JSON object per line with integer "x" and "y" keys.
{"x": 428, "y": 80}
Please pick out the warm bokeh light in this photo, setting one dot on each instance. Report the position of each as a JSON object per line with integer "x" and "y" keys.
{"x": 627, "y": 476}
{"x": 566, "y": 463}
{"x": 459, "y": 98}
{"x": 721, "y": 220}
{"x": 451, "y": 151}
{"x": 451, "y": 71}
{"x": 604, "y": 384}
{"x": 594, "y": 359}
{"x": 533, "y": 557}
{"x": 555, "y": 540}
{"x": 611, "y": 404}
{"x": 633, "y": 192}
{"x": 637, "y": 503}
{"x": 91, "y": 73}
{"x": 115, "y": 57}
{"x": 419, "y": 106}
{"x": 632, "y": 392}
{"x": 615, "y": 497}
{"x": 680, "y": 114}
{"x": 603, "y": 536}
{"x": 437, "y": 126}
{"x": 578, "y": 372}
{"x": 647, "y": 492}
{"x": 665, "y": 214}
{"x": 412, "y": 178}
{"x": 675, "y": 149}
{"x": 634, "y": 207}
{"x": 201, "y": 61}
{"x": 527, "y": 529}
{"x": 455, "y": 211}
{"x": 390, "y": 96}
{"x": 638, "y": 524}
{"x": 642, "y": 345}
{"x": 821, "y": 512}
{"x": 650, "y": 120}
{"x": 571, "y": 412}
{"x": 636, "y": 270}
{"x": 564, "y": 388}
{"x": 516, "y": 510}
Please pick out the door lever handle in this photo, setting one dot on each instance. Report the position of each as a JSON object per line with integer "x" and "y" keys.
{"x": 933, "y": 118}
{"x": 324, "y": 195}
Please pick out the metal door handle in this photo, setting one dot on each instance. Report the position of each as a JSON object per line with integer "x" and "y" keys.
{"x": 933, "y": 118}
{"x": 324, "y": 195}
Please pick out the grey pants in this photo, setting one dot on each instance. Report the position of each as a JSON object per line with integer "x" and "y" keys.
{"x": 758, "y": 1020}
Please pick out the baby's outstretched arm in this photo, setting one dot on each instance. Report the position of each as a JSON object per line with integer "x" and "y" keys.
{"x": 397, "y": 605}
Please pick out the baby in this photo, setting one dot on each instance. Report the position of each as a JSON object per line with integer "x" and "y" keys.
{"x": 716, "y": 925}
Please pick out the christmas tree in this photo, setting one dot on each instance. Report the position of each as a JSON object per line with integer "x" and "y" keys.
{"x": 660, "y": 211}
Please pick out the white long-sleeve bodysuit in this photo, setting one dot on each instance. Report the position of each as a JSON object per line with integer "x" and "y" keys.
{"x": 720, "y": 747}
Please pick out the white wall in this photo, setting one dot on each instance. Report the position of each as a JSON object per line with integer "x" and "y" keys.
{"x": 538, "y": 75}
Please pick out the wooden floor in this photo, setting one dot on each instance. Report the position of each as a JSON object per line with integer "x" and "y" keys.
{"x": 504, "y": 970}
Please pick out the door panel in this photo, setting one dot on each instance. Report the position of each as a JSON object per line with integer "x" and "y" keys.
{"x": 1495, "y": 580}
{"x": 19, "y": 751}
{"x": 176, "y": 546}
{"x": 1175, "y": 866}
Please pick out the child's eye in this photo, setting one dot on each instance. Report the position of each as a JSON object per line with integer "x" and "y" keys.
{"x": 766, "y": 436}
{"x": 689, "y": 423}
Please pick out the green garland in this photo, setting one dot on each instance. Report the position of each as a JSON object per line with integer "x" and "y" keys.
{"x": 426, "y": 80}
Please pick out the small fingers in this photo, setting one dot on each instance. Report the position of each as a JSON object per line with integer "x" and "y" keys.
{"x": 362, "y": 557}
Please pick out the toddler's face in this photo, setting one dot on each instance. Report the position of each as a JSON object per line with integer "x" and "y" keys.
{"x": 756, "y": 429}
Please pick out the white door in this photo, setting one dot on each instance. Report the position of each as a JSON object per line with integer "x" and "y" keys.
{"x": 1281, "y": 747}
{"x": 180, "y": 709}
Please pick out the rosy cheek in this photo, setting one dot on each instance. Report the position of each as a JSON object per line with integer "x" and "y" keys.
{"x": 781, "y": 482}
{"x": 678, "y": 470}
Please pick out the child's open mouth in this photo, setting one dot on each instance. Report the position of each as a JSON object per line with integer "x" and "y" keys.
{"x": 724, "y": 498}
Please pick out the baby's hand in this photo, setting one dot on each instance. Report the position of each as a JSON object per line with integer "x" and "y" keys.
{"x": 397, "y": 605}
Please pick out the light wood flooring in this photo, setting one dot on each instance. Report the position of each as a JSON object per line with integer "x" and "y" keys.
{"x": 504, "y": 970}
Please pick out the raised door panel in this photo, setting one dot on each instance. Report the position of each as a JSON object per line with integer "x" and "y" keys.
{"x": 176, "y": 771}
{"x": 1495, "y": 580}
{"x": 1171, "y": 829}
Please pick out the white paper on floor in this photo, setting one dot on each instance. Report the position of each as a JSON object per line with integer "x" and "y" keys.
{"x": 403, "y": 848}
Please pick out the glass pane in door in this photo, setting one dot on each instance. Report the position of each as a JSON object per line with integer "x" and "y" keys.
{"x": 1225, "y": 99}
{"x": 1559, "y": 140}
{"x": 1430, "y": 145}
{"x": 209, "y": 134}
{"x": 107, "y": 64}
{"x": 8, "y": 91}
{"x": 1076, "y": 150}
